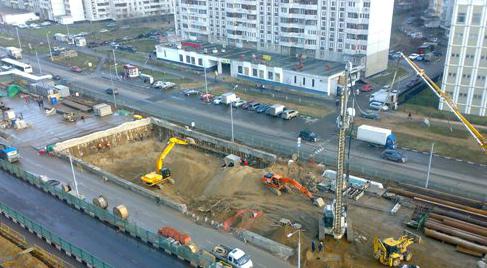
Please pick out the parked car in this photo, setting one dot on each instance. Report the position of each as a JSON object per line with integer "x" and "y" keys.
{"x": 189, "y": 92}
{"x": 253, "y": 106}
{"x": 394, "y": 155}
{"x": 413, "y": 56}
{"x": 377, "y": 105}
{"x": 76, "y": 69}
{"x": 369, "y": 114}
{"x": 246, "y": 105}
{"x": 163, "y": 85}
{"x": 262, "y": 108}
{"x": 56, "y": 77}
{"x": 217, "y": 100}
{"x": 289, "y": 114}
{"x": 207, "y": 97}
{"x": 239, "y": 103}
{"x": 308, "y": 135}
{"x": 45, "y": 23}
{"x": 366, "y": 88}
{"x": 104, "y": 30}
{"x": 111, "y": 91}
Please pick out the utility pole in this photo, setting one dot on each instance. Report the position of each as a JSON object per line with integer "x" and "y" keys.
{"x": 67, "y": 29}
{"x": 113, "y": 89}
{"x": 74, "y": 175}
{"x": 343, "y": 122}
{"x": 206, "y": 81}
{"x": 38, "y": 63}
{"x": 115, "y": 63}
{"x": 49, "y": 45}
{"x": 18, "y": 37}
{"x": 429, "y": 166}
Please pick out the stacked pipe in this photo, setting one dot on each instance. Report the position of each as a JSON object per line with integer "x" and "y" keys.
{"x": 459, "y": 222}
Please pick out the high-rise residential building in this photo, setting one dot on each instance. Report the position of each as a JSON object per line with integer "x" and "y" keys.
{"x": 68, "y": 11}
{"x": 339, "y": 30}
{"x": 465, "y": 74}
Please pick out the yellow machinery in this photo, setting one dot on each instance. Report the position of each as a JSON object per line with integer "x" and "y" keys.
{"x": 391, "y": 252}
{"x": 479, "y": 138}
{"x": 163, "y": 174}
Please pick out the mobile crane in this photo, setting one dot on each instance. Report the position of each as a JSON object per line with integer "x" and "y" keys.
{"x": 479, "y": 138}
{"x": 163, "y": 174}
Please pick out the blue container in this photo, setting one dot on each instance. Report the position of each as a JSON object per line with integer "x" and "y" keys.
{"x": 53, "y": 100}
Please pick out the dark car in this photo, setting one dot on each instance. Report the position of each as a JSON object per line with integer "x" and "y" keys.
{"x": 369, "y": 114}
{"x": 189, "y": 92}
{"x": 56, "y": 77}
{"x": 262, "y": 108}
{"x": 394, "y": 155}
{"x": 111, "y": 91}
{"x": 247, "y": 105}
{"x": 76, "y": 69}
{"x": 308, "y": 135}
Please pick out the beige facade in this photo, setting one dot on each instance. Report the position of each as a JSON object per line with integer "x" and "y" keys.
{"x": 465, "y": 74}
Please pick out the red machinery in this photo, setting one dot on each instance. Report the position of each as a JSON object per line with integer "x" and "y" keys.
{"x": 253, "y": 215}
{"x": 278, "y": 184}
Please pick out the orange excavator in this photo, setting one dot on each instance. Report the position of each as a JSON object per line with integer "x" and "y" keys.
{"x": 278, "y": 184}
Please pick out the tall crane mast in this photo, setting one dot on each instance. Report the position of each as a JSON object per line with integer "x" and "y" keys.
{"x": 479, "y": 138}
{"x": 343, "y": 122}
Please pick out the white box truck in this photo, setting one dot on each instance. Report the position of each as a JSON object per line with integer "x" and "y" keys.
{"x": 377, "y": 136}
{"x": 229, "y": 97}
{"x": 275, "y": 110}
{"x": 14, "y": 53}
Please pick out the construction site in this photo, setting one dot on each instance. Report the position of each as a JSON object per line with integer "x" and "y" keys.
{"x": 224, "y": 185}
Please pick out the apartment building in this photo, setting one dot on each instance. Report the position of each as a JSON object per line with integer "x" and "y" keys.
{"x": 465, "y": 73}
{"x": 337, "y": 30}
{"x": 69, "y": 11}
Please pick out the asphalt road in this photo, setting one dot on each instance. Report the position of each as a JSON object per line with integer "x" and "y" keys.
{"x": 114, "y": 248}
{"x": 280, "y": 136}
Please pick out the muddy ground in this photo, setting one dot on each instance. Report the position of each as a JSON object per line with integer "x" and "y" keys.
{"x": 216, "y": 192}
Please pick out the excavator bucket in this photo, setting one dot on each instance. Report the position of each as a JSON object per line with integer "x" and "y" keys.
{"x": 190, "y": 140}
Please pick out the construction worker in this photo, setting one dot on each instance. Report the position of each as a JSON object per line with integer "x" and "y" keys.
{"x": 321, "y": 246}
{"x": 313, "y": 246}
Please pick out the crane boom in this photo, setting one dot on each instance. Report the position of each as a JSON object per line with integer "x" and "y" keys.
{"x": 479, "y": 138}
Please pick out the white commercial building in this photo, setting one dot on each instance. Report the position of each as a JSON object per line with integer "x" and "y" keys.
{"x": 69, "y": 11}
{"x": 14, "y": 16}
{"x": 305, "y": 74}
{"x": 338, "y": 30}
{"x": 465, "y": 74}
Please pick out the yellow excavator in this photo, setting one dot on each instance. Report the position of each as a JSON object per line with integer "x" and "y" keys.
{"x": 162, "y": 174}
{"x": 391, "y": 252}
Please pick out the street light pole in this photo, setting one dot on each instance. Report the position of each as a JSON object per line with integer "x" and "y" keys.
{"x": 206, "y": 81}
{"x": 115, "y": 63}
{"x": 18, "y": 37}
{"x": 113, "y": 89}
{"x": 38, "y": 63}
{"x": 231, "y": 119}
{"x": 74, "y": 176}
{"x": 429, "y": 165}
{"x": 299, "y": 245}
{"x": 49, "y": 45}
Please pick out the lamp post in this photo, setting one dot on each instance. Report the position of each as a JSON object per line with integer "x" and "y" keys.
{"x": 49, "y": 45}
{"x": 299, "y": 244}
{"x": 38, "y": 63}
{"x": 113, "y": 89}
{"x": 18, "y": 37}
{"x": 206, "y": 81}
{"x": 429, "y": 166}
{"x": 74, "y": 176}
{"x": 231, "y": 113}
{"x": 115, "y": 63}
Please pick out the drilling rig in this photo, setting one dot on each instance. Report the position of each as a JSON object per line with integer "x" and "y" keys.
{"x": 334, "y": 220}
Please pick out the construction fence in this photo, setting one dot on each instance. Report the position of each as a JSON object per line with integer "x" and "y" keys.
{"x": 284, "y": 150}
{"x": 200, "y": 258}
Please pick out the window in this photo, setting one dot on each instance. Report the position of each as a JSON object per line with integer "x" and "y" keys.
{"x": 239, "y": 69}
{"x": 304, "y": 81}
{"x": 461, "y": 17}
{"x": 188, "y": 59}
{"x": 476, "y": 18}
{"x": 200, "y": 62}
{"x": 254, "y": 72}
{"x": 312, "y": 82}
{"x": 181, "y": 58}
{"x": 278, "y": 77}
{"x": 295, "y": 80}
{"x": 270, "y": 75}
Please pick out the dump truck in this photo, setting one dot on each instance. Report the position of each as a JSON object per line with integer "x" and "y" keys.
{"x": 377, "y": 136}
{"x": 14, "y": 53}
{"x": 235, "y": 257}
{"x": 9, "y": 153}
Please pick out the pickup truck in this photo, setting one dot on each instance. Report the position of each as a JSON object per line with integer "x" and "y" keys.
{"x": 235, "y": 257}
{"x": 9, "y": 153}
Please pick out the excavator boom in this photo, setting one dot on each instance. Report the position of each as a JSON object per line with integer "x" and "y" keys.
{"x": 170, "y": 145}
{"x": 479, "y": 138}
{"x": 278, "y": 182}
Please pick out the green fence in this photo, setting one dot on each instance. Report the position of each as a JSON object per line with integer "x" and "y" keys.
{"x": 201, "y": 258}
{"x": 75, "y": 251}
